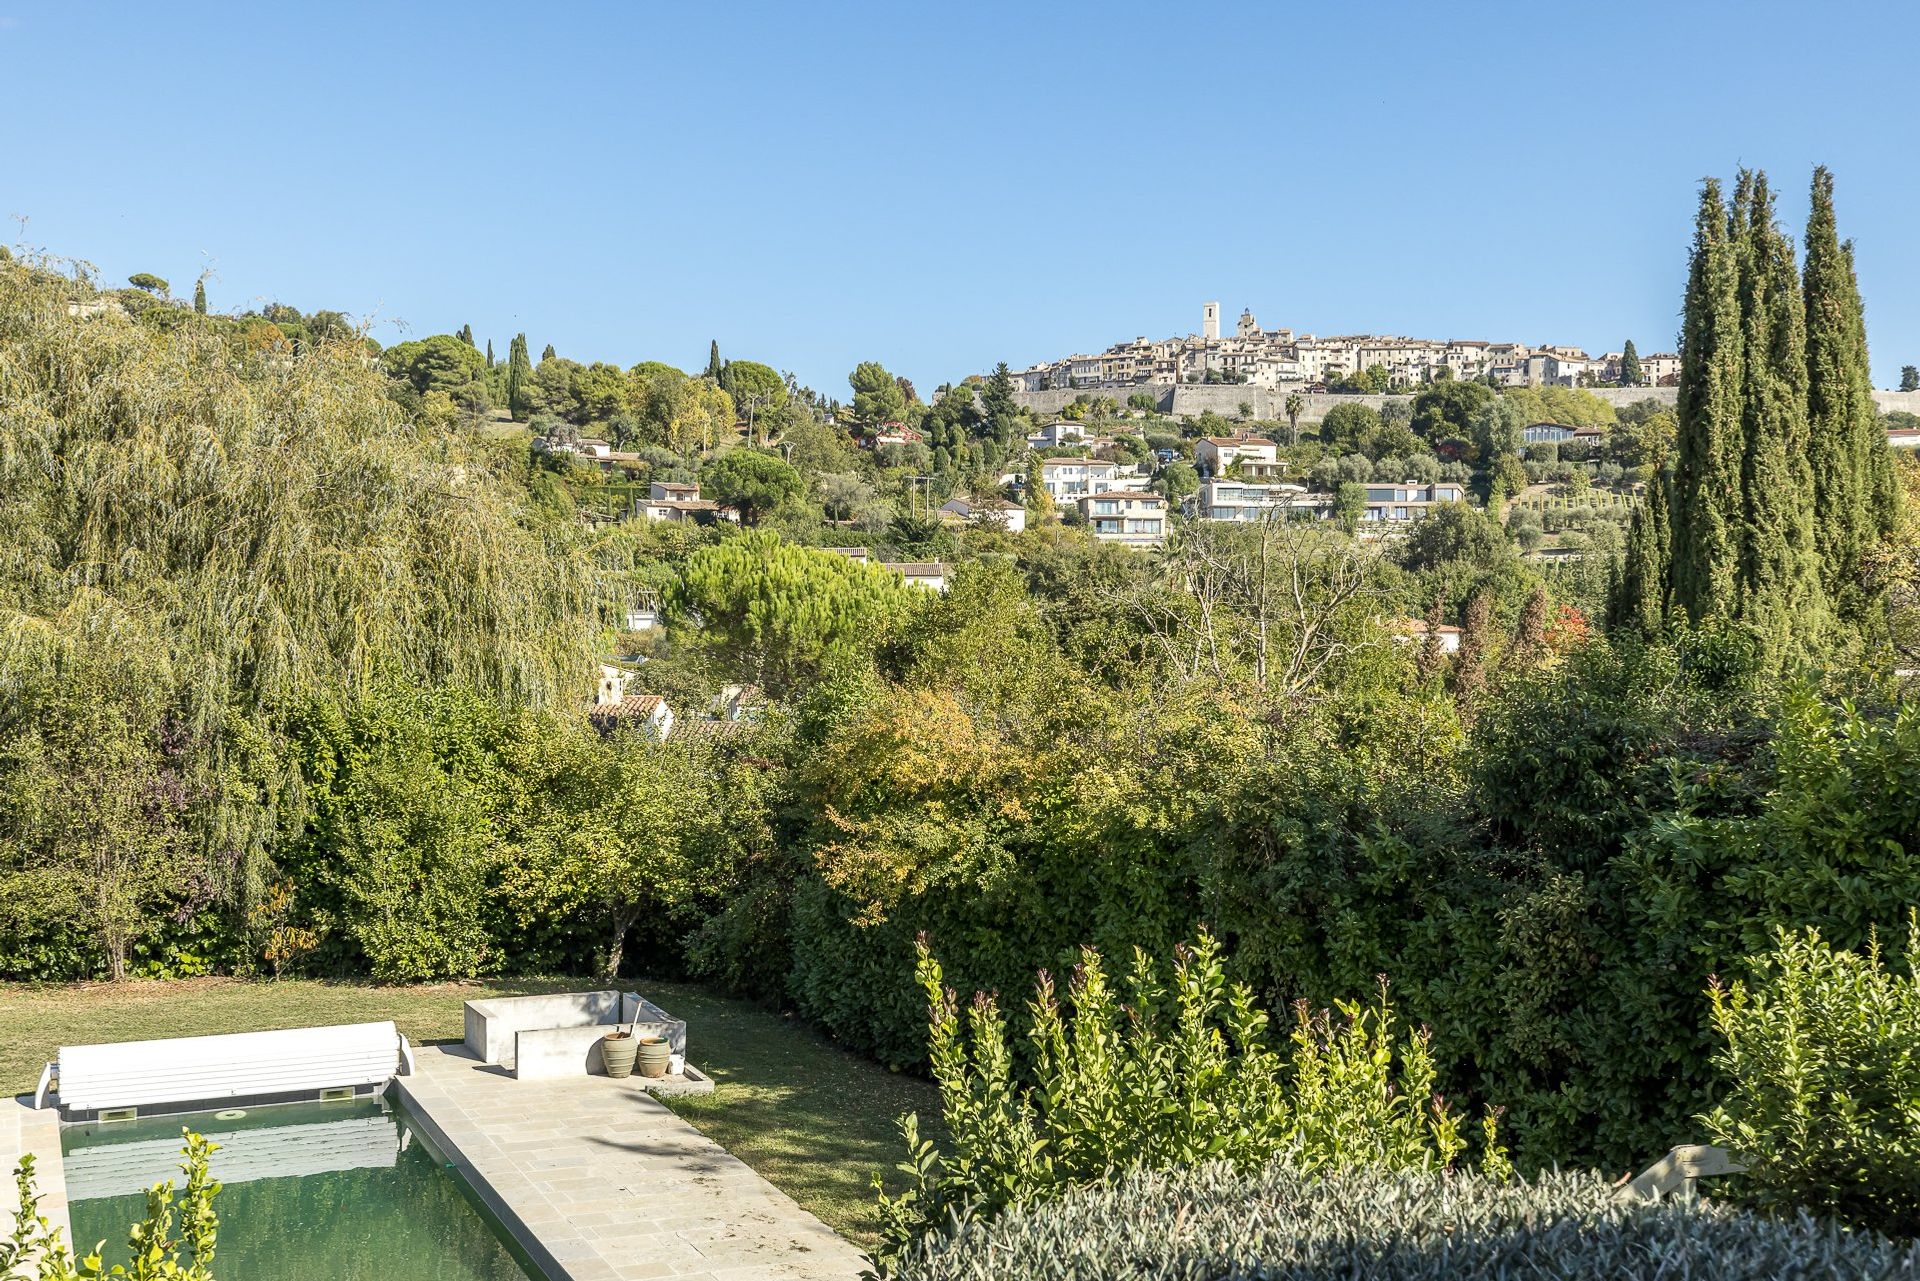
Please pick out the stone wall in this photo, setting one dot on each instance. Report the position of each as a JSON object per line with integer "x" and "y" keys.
{"x": 1188, "y": 400}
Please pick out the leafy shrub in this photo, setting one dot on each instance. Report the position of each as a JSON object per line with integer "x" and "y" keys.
{"x": 1282, "y": 1224}
{"x": 1179, "y": 1074}
{"x": 33, "y": 1248}
{"x": 1822, "y": 1049}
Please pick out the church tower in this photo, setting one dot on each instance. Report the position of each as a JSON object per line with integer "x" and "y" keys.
{"x": 1210, "y": 320}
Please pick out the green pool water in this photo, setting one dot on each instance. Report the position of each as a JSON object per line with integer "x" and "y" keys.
{"x": 347, "y": 1191}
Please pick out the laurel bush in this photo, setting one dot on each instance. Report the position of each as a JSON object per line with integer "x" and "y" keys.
{"x": 1174, "y": 1066}
{"x": 1821, "y": 1050}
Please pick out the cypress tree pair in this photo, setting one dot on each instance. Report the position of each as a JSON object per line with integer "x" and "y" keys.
{"x": 1778, "y": 591}
{"x": 1780, "y": 480}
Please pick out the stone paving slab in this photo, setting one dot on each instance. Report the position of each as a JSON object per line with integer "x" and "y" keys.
{"x": 601, "y": 1182}
{"x": 25, "y": 1128}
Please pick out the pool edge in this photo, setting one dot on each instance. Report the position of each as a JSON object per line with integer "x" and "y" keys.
{"x": 415, "y": 1095}
{"x": 37, "y": 1130}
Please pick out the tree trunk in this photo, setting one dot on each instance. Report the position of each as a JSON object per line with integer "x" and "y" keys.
{"x": 616, "y": 946}
{"x": 113, "y": 939}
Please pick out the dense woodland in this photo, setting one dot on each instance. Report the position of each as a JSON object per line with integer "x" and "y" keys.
{"x": 299, "y": 636}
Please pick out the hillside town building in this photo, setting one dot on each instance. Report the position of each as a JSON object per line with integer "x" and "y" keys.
{"x": 1283, "y": 358}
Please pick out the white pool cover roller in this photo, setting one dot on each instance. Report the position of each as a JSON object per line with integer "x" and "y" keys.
{"x": 208, "y": 1069}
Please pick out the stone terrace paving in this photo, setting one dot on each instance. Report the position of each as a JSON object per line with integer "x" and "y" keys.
{"x": 603, "y": 1183}
{"x": 23, "y": 1129}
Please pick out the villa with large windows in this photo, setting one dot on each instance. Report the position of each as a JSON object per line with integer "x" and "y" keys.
{"x": 1129, "y": 517}
{"x": 1410, "y": 500}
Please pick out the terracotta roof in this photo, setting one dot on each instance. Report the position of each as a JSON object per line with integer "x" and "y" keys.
{"x": 1237, "y": 440}
{"x": 707, "y": 728}
{"x": 682, "y": 504}
{"x": 632, "y": 705}
{"x": 916, "y": 568}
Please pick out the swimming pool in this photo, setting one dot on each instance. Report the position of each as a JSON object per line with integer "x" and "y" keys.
{"x": 349, "y": 1191}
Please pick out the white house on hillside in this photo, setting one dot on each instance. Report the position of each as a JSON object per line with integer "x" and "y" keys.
{"x": 930, "y": 574}
{"x": 1056, "y": 434}
{"x": 1068, "y": 478}
{"x": 977, "y": 511}
{"x": 667, "y": 500}
{"x": 1409, "y": 500}
{"x": 1131, "y": 517}
{"x": 613, "y": 708}
{"x": 1414, "y": 631}
{"x": 1257, "y": 455}
{"x": 1250, "y": 500}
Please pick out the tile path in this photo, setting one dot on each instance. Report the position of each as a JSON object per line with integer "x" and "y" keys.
{"x": 602, "y": 1183}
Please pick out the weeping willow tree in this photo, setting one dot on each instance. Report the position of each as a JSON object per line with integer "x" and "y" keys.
{"x": 277, "y": 532}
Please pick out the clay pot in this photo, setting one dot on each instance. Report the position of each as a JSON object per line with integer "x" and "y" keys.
{"x": 654, "y": 1056}
{"x": 617, "y": 1050}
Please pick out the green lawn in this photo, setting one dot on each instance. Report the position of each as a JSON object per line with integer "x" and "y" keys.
{"x": 813, "y": 1119}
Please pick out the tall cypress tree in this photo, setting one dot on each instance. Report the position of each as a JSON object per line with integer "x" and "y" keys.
{"x": 489, "y": 353}
{"x": 1852, "y": 478}
{"x": 1433, "y": 652}
{"x": 1779, "y": 596}
{"x": 1705, "y": 511}
{"x": 1639, "y": 601}
{"x": 1630, "y": 372}
{"x": 1883, "y": 486}
{"x": 713, "y": 359}
{"x": 1529, "y": 644}
{"x": 466, "y": 334}
{"x": 519, "y": 374}
{"x": 200, "y": 296}
{"x": 1470, "y": 664}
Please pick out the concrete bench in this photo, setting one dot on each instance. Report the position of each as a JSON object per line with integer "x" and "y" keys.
{"x": 1676, "y": 1173}
{"x": 541, "y": 1037}
{"x": 258, "y": 1066}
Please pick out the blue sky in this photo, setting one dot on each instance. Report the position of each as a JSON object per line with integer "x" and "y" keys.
{"x": 941, "y": 186}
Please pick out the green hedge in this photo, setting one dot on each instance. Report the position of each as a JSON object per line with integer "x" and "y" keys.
{"x": 1280, "y": 1225}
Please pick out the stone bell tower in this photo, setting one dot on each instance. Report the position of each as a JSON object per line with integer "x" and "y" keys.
{"x": 1210, "y": 320}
